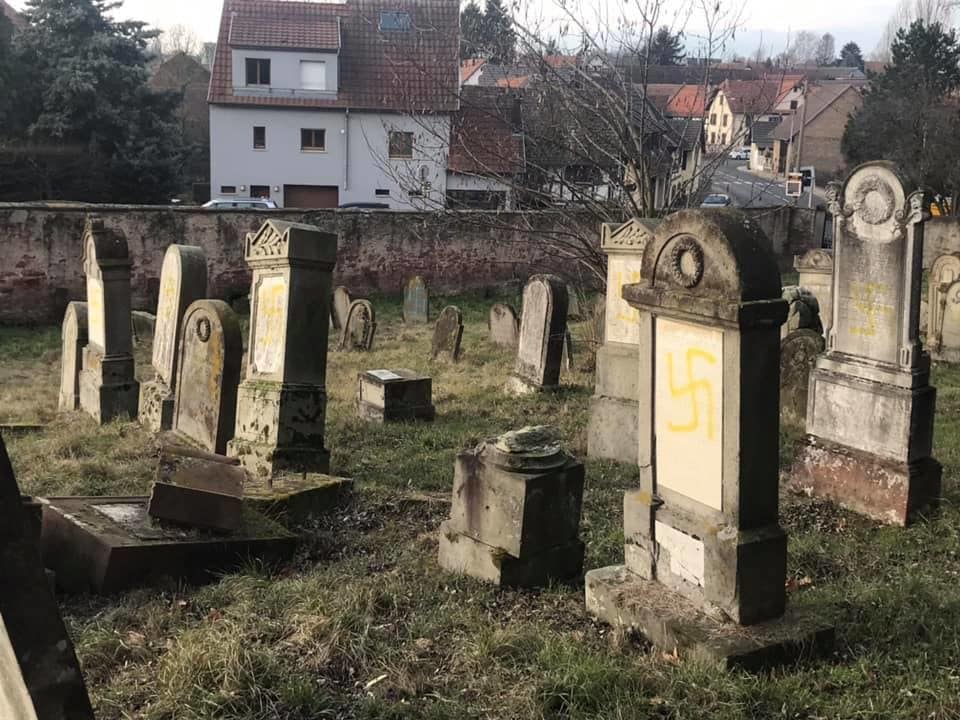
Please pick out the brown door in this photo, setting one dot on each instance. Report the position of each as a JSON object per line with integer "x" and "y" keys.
{"x": 310, "y": 196}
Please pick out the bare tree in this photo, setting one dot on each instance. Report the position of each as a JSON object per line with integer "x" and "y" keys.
{"x": 908, "y": 11}
{"x": 177, "y": 39}
{"x": 826, "y": 50}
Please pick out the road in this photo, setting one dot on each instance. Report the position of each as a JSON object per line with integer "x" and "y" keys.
{"x": 748, "y": 190}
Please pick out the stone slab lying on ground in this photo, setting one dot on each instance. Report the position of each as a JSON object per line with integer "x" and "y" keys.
{"x": 392, "y": 395}
{"x": 110, "y": 544}
{"x": 193, "y": 468}
{"x": 191, "y": 507}
{"x": 296, "y": 498}
{"x": 676, "y": 626}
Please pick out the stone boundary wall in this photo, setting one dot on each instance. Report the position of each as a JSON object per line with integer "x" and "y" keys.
{"x": 41, "y": 250}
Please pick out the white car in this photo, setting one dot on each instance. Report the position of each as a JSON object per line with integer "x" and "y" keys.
{"x": 240, "y": 204}
{"x": 740, "y": 154}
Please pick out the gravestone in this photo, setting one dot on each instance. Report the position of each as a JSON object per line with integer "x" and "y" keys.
{"x": 183, "y": 280}
{"x": 614, "y": 409}
{"x": 798, "y": 356}
{"x": 282, "y": 402}
{"x": 874, "y": 366}
{"x": 40, "y": 677}
{"x": 803, "y": 313}
{"x": 416, "y": 302}
{"x": 542, "y": 326}
{"x": 360, "y": 327}
{"x": 211, "y": 353}
{"x": 447, "y": 334}
{"x": 504, "y": 326}
{"x": 515, "y": 516}
{"x": 341, "y": 307}
{"x": 573, "y": 303}
{"x": 394, "y": 395}
{"x": 815, "y": 268}
{"x": 943, "y": 331}
{"x": 705, "y": 555}
{"x": 566, "y": 360}
{"x": 108, "y": 386}
{"x": 73, "y": 339}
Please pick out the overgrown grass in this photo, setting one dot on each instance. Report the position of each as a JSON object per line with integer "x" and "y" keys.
{"x": 363, "y": 624}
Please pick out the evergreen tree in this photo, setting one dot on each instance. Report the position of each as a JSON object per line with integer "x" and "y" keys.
{"x": 7, "y": 74}
{"x": 498, "y": 30}
{"x": 666, "y": 48}
{"x": 472, "y": 41}
{"x": 905, "y": 117}
{"x": 850, "y": 56}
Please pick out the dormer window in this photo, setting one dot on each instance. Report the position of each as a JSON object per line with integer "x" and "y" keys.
{"x": 395, "y": 21}
{"x": 313, "y": 75}
{"x": 258, "y": 71}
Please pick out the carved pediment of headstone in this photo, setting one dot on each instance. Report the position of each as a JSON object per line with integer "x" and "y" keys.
{"x": 631, "y": 235}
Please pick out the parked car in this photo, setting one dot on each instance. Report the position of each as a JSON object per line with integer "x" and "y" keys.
{"x": 241, "y": 203}
{"x": 716, "y": 200}
{"x": 740, "y": 153}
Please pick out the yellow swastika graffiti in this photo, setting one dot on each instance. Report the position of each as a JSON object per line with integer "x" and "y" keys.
{"x": 866, "y": 301}
{"x": 699, "y": 391}
{"x": 625, "y": 313}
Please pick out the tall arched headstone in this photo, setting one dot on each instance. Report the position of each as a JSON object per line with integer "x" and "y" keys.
{"x": 874, "y": 366}
{"x": 504, "y": 326}
{"x": 543, "y": 324}
{"x": 74, "y": 339}
{"x": 108, "y": 385}
{"x": 211, "y": 353}
{"x": 447, "y": 335}
{"x": 183, "y": 280}
{"x": 416, "y": 302}
{"x": 703, "y": 544}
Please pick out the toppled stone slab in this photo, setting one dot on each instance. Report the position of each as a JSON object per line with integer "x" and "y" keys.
{"x": 191, "y": 507}
{"x": 675, "y": 625}
{"x": 296, "y": 498}
{"x": 200, "y": 470}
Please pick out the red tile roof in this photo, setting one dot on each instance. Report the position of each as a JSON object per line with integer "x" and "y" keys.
{"x": 482, "y": 138}
{"x": 247, "y": 31}
{"x": 660, "y": 94}
{"x": 515, "y": 82}
{"x": 689, "y": 101}
{"x": 414, "y": 70}
{"x": 469, "y": 67}
{"x": 561, "y": 61}
{"x": 752, "y": 97}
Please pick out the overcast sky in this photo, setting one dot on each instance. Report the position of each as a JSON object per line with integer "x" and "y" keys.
{"x": 858, "y": 20}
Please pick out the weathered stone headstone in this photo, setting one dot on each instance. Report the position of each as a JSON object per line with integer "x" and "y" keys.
{"x": 393, "y": 395}
{"x": 281, "y": 406}
{"x": 183, "y": 280}
{"x": 447, "y": 334}
{"x": 74, "y": 339}
{"x": 614, "y": 409}
{"x": 943, "y": 332}
{"x": 542, "y": 326}
{"x": 798, "y": 356}
{"x": 515, "y": 517}
{"x": 108, "y": 386}
{"x": 705, "y": 554}
{"x": 416, "y": 302}
{"x": 142, "y": 325}
{"x": 341, "y": 307}
{"x": 815, "y": 268}
{"x": 803, "y": 313}
{"x": 573, "y": 300}
{"x": 360, "y": 327}
{"x": 40, "y": 677}
{"x": 504, "y": 326}
{"x": 211, "y": 353}
{"x": 874, "y": 366}
{"x": 566, "y": 359}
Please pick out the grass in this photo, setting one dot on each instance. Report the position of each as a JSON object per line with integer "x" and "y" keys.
{"x": 363, "y": 624}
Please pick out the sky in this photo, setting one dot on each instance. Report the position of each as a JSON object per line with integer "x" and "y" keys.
{"x": 860, "y": 21}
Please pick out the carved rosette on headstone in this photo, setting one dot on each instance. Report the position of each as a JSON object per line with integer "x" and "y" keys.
{"x": 183, "y": 280}
{"x": 211, "y": 353}
{"x": 943, "y": 325}
{"x": 73, "y": 340}
{"x": 281, "y": 408}
{"x": 815, "y": 268}
{"x": 542, "y": 326}
{"x": 447, "y": 335}
{"x": 515, "y": 517}
{"x": 874, "y": 366}
{"x": 504, "y": 326}
{"x": 416, "y": 302}
{"x": 612, "y": 432}
{"x": 108, "y": 386}
{"x": 705, "y": 554}
{"x": 360, "y": 327}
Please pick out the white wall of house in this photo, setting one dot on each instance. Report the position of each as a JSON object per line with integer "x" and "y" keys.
{"x": 355, "y": 159}
{"x": 285, "y": 73}
{"x": 459, "y": 181}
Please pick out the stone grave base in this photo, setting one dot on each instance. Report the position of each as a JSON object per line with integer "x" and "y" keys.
{"x": 18, "y": 429}
{"x": 369, "y": 411}
{"x": 105, "y": 402}
{"x": 110, "y": 544}
{"x": 394, "y": 395}
{"x": 887, "y": 491}
{"x": 946, "y": 355}
{"x": 267, "y": 460}
{"x": 156, "y": 406}
{"x": 465, "y": 555}
{"x": 676, "y": 626}
{"x": 296, "y": 498}
{"x": 612, "y": 430}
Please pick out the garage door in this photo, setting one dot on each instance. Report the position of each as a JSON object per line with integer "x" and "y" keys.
{"x": 311, "y": 196}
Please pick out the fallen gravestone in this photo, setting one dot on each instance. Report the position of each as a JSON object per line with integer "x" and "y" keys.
{"x": 360, "y": 328}
{"x": 542, "y": 327}
{"x": 705, "y": 555}
{"x": 416, "y": 302}
{"x": 74, "y": 339}
{"x": 394, "y": 395}
{"x": 447, "y": 334}
{"x": 198, "y": 489}
{"x": 504, "y": 326}
{"x": 798, "y": 356}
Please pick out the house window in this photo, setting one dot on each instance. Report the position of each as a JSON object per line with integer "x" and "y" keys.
{"x": 725, "y": 118}
{"x": 397, "y": 21}
{"x": 686, "y": 157}
{"x": 313, "y": 140}
{"x": 723, "y": 139}
{"x": 401, "y": 145}
{"x": 259, "y": 138}
{"x": 228, "y": 189}
{"x": 258, "y": 71}
{"x": 260, "y": 191}
{"x": 793, "y": 104}
{"x": 713, "y": 138}
{"x": 382, "y": 192}
{"x": 313, "y": 75}
{"x": 713, "y": 118}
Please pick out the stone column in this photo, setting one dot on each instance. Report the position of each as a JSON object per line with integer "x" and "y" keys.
{"x": 874, "y": 367}
{"x": 183, "y": 280}
{"x": 281, "y": 408}
{"x": 612, "y": 432}
{"x": 108, "y": 387}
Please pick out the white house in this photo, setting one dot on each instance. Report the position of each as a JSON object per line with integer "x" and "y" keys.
{"x": 325, "y": 104}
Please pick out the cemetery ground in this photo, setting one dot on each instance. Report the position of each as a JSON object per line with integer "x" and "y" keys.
{"x": 362, "y": 623}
